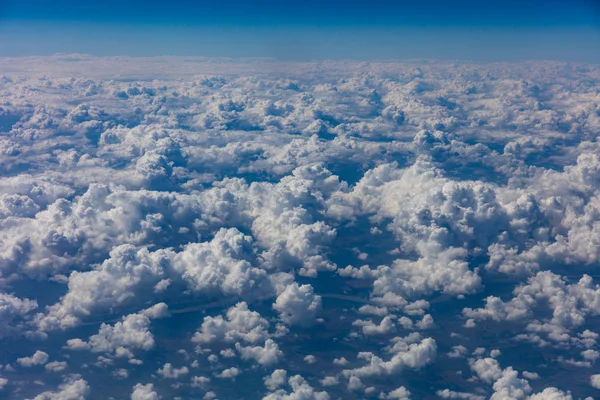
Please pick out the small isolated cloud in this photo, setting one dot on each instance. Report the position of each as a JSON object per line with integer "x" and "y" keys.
{"x": 170, "y": 372}
{"x": 229, "y": 373}
{"x": 38, "y": 358}
{"x": 400, "y": 393}
{"x": 595, "y": 381}
{"x": 144, "y": 392}
{"x": 56, "y": 366}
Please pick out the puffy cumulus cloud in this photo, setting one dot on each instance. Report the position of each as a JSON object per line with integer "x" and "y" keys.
{"x": 56, "y": 366}
{"x": 283, "y": 224}
{"x": 595, "y": 381}
{"x": 71, "y": 232}
{"x": 458, "y": 351}
{"x": 425, "y": 206}
{"x": 200, "y": 381}
{"x": 447, "y": 272}
{"x": 509, "y": 386}
{"x": 330, "y": 381}
{"x": 14, "y": 205}
{"x": 229, "y": 373}
{"x": 120, "y": 339}
{"x": 215, "y": 267}
{"x": 385, "y": 327}
{"x": 569, "y": 304}
{"x": 76, "y": 389}
{"x": 276, "y": 379}
{"x": 354, "y": 383}
{"x": 170, "y": 372}
{"x": 433, "y": 217}
{"x": 240, "y": 324}
{"x": 551, "y": 394}
{"x": 300, "y": 390}
{"x": 400, "y": 393}
{"x": 267, "y": 355}
{"x": 38, "y": 358}
{"x": 31, "y": 193}
{"x": 111, "y": 284}
{"x": 405, "y": 353}
{"x": 222, "y": 265}
{"x": 340, "y": 361}
{"x": 13, "y": 312}
{"x": 155, "y": 169}
{"x": 487, "y": 369}
{"x": 506, "y": 383}
{"x": 144, "y": 392}
{"x": 298, "y": 305}
{"x": 159, "y": 310}
{"x": 310, "y": 359}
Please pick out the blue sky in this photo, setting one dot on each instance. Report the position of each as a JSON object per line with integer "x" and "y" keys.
{"x": 310, "y": 29}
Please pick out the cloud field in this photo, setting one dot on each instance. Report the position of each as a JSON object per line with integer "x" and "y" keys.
{"x": 195, "y": 228}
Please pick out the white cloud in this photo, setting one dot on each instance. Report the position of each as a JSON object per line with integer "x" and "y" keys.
{"x": 551, "y": 394}
{"x": 144, "y": 392}
{"x": 240, "y": 324}
{"x": 230, "y": 373}
{"x": 330, "y": 381}
{"x": 385, "y": 327}
{"x": 276, "y": 379}
{"x": 200, "y": 381}
{"x": 458, "y": 351}
{"x": 77, "y": 344}
{"x": 300, "y": 389}
{"x": 354, "y": 383}
{"x": 530, "y": 375}
{"x": 310, "y": 359}
{"x": 404, "y": 355}
{"x": 340, "y": 361}
{"x": 56, "y": 366}
{"x": 595, "y": 381}
{"x": 220, "y": 265}
{"x": 77, "y": 389}
{"x": 159, "y": 310}
{"x": 267, "y": 355}
{"x": 450, "y": 394}
{"x": 114, "y": 282}
{"x": 170, "y": 372}
{"x": 369, "y": 309}
{"x": 298, "y": 305}
{"x": 561, "y": 298}
{"x": 400, "y": 393}
{"x": 487, "y": 369}
{"x": 12, "y": 312}
{"x": 119, "y": 339}
{"x": 38, "y": 358}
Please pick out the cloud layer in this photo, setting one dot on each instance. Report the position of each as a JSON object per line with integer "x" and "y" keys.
{"x": 205, "y": 228}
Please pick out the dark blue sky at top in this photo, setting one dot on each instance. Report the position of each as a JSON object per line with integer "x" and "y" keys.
{"x": 308, "y": 29}
{"x": 318, "y": 12}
